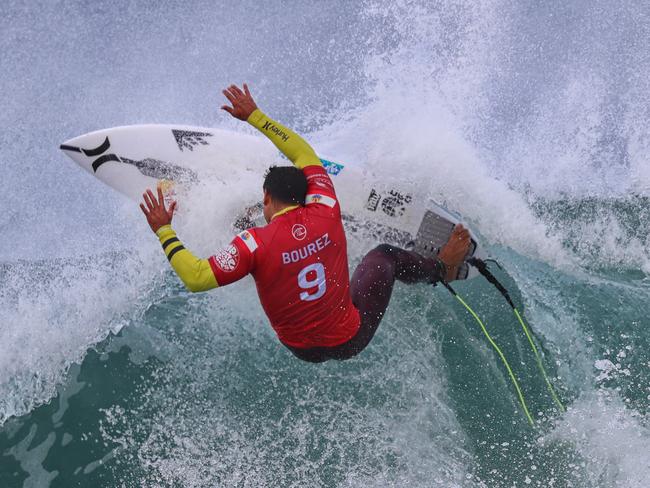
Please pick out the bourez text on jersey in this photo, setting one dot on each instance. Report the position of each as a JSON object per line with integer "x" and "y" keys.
{"x": 304, "y": 252}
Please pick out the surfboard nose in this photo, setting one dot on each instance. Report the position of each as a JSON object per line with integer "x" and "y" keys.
{"x": 66, "y": 146}
{"x": 74, "y": 146}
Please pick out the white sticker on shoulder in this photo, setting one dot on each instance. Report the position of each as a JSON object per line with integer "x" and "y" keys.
{"x": 324, "y": 199}
{"x": 227, "y": 259}
{"x": 249, "y": 240}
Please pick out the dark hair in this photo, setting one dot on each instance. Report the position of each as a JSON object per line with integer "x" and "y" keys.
{"x": 286, "y": 184}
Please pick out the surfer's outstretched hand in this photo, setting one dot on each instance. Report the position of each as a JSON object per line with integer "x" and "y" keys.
{"x": 155, "y": 211}
{"x": 243, "y": 104}
{"x": 453, "y": 253}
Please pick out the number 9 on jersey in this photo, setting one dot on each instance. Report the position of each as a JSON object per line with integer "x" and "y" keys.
{"x": 317, "y": 276}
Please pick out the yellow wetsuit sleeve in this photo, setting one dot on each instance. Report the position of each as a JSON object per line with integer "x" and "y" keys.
{"x": 294, "y": 147}
{"x": 194, "y": 272}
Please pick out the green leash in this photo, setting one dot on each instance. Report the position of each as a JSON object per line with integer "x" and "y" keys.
{"x": 481, "y": 266}
{"x": 499, "y": 352}
{"x": 540, "y": 365}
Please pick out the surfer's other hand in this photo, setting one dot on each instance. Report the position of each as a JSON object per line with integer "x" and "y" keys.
{"x": 243, "y": 104}
{"x": 453, "y": 253}
{"x": 155, "y": 211}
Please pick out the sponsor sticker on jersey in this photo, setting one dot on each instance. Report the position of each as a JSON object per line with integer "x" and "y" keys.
{"x": 299, "y": 232}
{"x": 331, "y": 167}
{"x": 316, "y": 198}
{"x": 249, "y": 240}
{"x": 227, "y": 259}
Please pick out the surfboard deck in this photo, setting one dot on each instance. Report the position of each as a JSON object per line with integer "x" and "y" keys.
{"x": 132, "y": 159}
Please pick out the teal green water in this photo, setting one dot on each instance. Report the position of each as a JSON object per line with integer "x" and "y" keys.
{"x": 530, "y": 120}
{"x": 180, "y": 398}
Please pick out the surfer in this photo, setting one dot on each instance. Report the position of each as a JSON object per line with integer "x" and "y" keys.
{"x": 299, "y": 259}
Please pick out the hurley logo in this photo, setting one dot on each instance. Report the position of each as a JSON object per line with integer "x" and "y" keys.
{"x": 272, "y": 127}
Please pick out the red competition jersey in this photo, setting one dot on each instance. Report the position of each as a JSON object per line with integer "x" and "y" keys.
{"x": 299, "y": 262}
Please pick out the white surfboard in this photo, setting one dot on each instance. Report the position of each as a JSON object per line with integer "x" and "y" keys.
{"x": 132, "y": 159}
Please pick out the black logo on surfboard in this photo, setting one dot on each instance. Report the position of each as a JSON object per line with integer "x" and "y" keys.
{"x": 148, "y": 166}
{"x": 187, "y": 139}
{"x": 393, "y": 204}
{"x": 161, "y": 170}
{"x": 95, "y": 151}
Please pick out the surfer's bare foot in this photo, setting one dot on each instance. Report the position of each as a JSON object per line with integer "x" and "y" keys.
{"x": 453, "y": 253}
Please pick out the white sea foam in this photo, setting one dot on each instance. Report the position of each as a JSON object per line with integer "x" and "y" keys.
{"x": 52, "y": 311}
{"x": 612, "y": 440}
{"x": 486, "y": 105}
{"x": 338, "y": 423}
{"x": 414, "y": 129}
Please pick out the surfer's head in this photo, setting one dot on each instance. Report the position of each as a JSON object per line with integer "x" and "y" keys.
{"x": 283, "y": 186}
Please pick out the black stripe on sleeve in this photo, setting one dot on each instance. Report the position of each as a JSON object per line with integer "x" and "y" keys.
{"x": 169, "y": 241}
{"x": 174, "y": 251}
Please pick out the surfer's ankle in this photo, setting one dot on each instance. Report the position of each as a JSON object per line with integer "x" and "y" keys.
{"x": 437, "y": 270}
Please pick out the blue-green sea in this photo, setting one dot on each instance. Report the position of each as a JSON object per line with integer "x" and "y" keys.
{"x": 530, "y": 119}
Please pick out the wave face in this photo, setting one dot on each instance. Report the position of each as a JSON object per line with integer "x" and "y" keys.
{"x": 531, "y": 120}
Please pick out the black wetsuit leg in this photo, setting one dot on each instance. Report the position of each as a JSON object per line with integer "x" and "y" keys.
{"x": 371, "y": 287}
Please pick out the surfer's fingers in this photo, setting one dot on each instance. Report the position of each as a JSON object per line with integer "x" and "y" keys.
{"x": 227, "y": 108}
{"x": 161, "y": 198}
{"x": 145, "y": 197}
{"x": 172, "y": 208}
{"x": 229, "y": 96}
{"x": 237, "y": 91}
{"x": 152, "y": 199}
{"x": 247, "y": 91}
{"x": 144, "y": 210}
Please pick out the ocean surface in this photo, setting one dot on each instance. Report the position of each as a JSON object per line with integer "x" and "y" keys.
{"x": 531, "y": 119}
